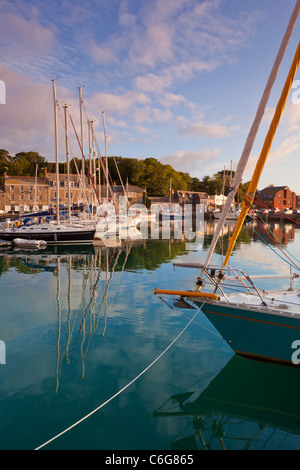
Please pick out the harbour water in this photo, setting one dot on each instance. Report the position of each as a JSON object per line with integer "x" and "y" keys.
{"x": 81, "y": 330}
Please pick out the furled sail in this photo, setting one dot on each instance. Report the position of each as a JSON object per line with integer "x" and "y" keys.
{"x": 253, "y": 131}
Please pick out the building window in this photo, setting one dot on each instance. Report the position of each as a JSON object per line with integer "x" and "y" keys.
{"x": 30, "y": 198}
{"x": 40, "y": 198}
{"x": 40, "y": 189}
{"x": 22, "y": 197}
{"x": 12, "y": 188}
{"x": 12, "y": 197}
{"x": 21, "y": 188}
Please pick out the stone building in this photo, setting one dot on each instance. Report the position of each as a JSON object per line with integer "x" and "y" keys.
{"x": 22, "y": 194}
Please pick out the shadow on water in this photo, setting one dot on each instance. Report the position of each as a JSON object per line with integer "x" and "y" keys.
{"x": 248, "y": 405}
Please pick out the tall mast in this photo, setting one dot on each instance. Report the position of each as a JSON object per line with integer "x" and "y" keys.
{"x": 82, "y": 142}
{"x": 93, "y": 153}
{"x": 35, "y": 185}
{"x": 56, "y": 152}
{"x": 254, "y": 129}
{"x": 264, "y": 153}
{"x": 106, "y": 161}
{"x": 68, "y": 163}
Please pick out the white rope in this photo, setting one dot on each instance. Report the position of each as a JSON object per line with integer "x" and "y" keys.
{"x": 124, "y": 388}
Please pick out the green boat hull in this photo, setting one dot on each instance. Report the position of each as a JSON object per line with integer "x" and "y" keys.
{"x": 257, "y": 332}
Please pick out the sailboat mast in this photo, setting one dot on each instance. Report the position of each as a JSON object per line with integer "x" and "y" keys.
{"x": 106, "y": 160}
{"x": 253, "y": 131}
{"x": 81, "y": 141}
{"x": 56, "y": 151}
{"x": 35, "y": 185}
{"x": 90, "y": 163}
{"x": 68, "y": 163}
{"x": 264, "y": 153}
{"x": 93, "y": 154}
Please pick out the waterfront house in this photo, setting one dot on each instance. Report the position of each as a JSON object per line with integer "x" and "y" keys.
{"x": 22, "y": 194}
{"x": 273, "y": 197}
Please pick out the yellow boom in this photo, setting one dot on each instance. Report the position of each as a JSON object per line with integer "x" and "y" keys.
{"x": 206, "y": 295}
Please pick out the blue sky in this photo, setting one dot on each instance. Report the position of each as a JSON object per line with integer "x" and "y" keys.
{"x": 178, "y": 80}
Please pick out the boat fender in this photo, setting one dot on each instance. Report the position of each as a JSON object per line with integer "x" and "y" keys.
{"x": 17, "y": 224}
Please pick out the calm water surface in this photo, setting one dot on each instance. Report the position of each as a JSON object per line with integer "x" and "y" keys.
{"x": 80, "y": 324}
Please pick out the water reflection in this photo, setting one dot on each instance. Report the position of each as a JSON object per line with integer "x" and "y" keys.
{"x": 248, "y": 405}
{"x": 77, "y": 287}
{"x": 81, "y": 322}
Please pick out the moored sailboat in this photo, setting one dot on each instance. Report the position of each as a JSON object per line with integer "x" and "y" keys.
{"x": 52, "y": 233}
{"x": 256, "y": 323}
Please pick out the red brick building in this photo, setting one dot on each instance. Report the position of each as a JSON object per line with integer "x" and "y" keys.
{"x": 273, "y": 197}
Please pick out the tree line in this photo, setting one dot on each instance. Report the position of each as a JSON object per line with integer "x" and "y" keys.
{"x": 148, "y": 173}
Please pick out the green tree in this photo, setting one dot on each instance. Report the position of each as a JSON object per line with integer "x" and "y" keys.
{"x": 25, "y": 163}
{"x": 5, "y": 161}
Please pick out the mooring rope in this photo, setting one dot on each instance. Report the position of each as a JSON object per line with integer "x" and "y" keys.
{"x": 124, "y": 388}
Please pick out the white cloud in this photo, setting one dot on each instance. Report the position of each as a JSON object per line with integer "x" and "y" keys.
{"x": 200, "y": 129}
{"x": 191, "y": 161}
{"x": 24, "y": 36}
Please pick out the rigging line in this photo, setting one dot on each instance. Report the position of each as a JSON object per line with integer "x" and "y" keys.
{"x": 273, "y": 237}
{"x": 91, "y": 178}
{"x": 297, "y": 267}
{"x": 269, "y": 230}
{"x": 257, "y": 216}
{"x": 121, "y": 181}
{"x": 271, "y": 247}
{"x": 74, "y": 159}
{"x": 266, "y": 207}
{"x": 204, "y": 327}
{"x": 108, "y": 183}
{"x": 124, "y": 388}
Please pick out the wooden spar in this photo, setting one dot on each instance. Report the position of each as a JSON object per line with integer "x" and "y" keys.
{"x": 205, "y": 295}
{"x": 264, "y": 153}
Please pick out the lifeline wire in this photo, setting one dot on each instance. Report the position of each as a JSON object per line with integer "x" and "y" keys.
{"x": 124, "y": 388}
